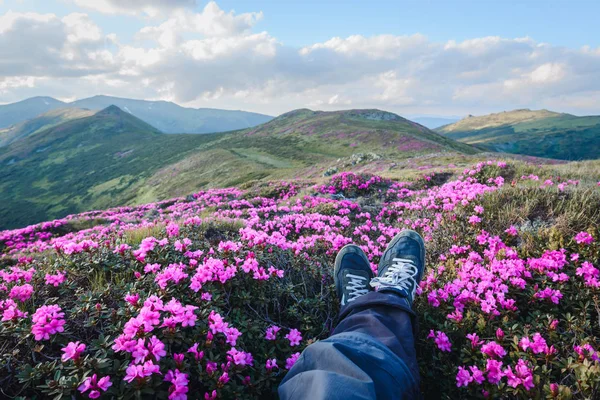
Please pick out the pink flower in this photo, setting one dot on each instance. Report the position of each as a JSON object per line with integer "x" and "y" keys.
{"x": 477, "y": 374}
{"x": 493, "y": 349}
{"x": 474, "y": 340}
{"x": 271, "y": 333}
{"x": 172, "y": 229}
{"x": 463, "y": 377}
{"x": 512, "y": 231}
{"x": 294, "y": 337}
{"x": 289, "y": 363}
{"x": 272, "y": 363}
{"x": 474, "y": 220}
{"x": 232, "y": 334}
{"x": 212, "y": 396}
{"x": 156, "y": 348}
{"x": 521, "y": 376}
{"x": 47, "y": 320}
{"x": 198, "y": 355}
{"x": 499, "y": 334}
{"x": 55, "y": 280}
{"x": 548, "y": 293}
{"x": 441, "y": 340}
{"x": 478, "y": 209}
{"x": 95, "y": 385}
{"x": 223, "y": 379}
{"x": 179, "y": 384}
{"x": 21, "y": 293}
{"x": 132, "y": 299}
{"x": 584, "y": 238}
{"x": 493, "y": 370}
{"x": 72, "y": 351}
{"x": 141, "y": 371}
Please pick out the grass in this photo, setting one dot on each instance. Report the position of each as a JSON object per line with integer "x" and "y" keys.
{"x": 559, "y": 136}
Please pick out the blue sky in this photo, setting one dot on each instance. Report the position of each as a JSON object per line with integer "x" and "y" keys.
{"x": 414, "y": 57}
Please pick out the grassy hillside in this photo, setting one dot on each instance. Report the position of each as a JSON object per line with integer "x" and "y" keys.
{"x": 83, "y": 163}
{"x": 301, "y": 143}
{"x": 112, "y": 158}
{"x": 536, "y": 133}
{"x": 40, "y": 123}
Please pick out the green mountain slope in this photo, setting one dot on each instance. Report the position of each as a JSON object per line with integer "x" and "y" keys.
{"x": 300, "y": 144}
{"x": 536, "y": 133}
{"x": 113, "y": 158}
{"x": 40, "y": 123}
{"x": 14, "y": 113}
{"x": 82, "y": 164}
{"x": 172, "y": 118}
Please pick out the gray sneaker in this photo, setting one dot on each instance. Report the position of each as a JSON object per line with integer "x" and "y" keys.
{"x": 402, "y": 265}
{"x": 352, "y": 274}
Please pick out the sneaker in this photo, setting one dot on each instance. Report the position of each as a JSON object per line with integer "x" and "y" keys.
{"x": 352, "y": 274}
{"x": 402, "y": 265}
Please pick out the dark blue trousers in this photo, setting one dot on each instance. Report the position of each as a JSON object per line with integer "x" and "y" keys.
{"x": 370, "y": 355}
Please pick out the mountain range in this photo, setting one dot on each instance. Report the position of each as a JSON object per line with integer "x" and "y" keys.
{"x": 540, "y": 133}
{"x": 166, "y": 116}
{"x": 113, "y": 158}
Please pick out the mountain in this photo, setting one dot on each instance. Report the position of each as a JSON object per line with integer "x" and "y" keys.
{"x": 82, "y": 163}
{"x": 114, "y": 158}
{"x": 166, "y": 116}
{"x": 540, "y": 133}
{"x": 40, "y": 123}
{"x": 302, "y": 144}
{"x": 433, "y": 122}
{"x": 172, "y": 118}
{"x": 14, "y": 113}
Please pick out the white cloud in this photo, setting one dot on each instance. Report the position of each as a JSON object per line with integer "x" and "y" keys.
{"x": 217, "y": 58}
{"x": 151, "y": 8}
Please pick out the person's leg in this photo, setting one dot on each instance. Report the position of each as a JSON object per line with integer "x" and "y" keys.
{"x": 387, "y": 318}
{"x": 371, "y": 353}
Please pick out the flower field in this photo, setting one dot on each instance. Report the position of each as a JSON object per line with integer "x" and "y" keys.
{"x": 216, "y": 294}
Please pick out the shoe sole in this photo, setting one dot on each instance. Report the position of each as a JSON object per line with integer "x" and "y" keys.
{"x": 338, "y": 261}
{"x": 405, "y": 233}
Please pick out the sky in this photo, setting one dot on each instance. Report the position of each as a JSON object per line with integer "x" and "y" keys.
{"x": 442, "y": 58}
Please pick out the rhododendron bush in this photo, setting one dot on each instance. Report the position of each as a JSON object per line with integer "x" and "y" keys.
{"x": 216, "y": 295}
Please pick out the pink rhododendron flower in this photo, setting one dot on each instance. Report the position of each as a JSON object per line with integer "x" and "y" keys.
{"x": 584, "y": 238}
{"x": 521, "y": 376}
{"x": 56, "y": 279}
{"x": 47, "y": 320}
{"x": 463, "y": 377}
{"x": 295, "y": 337}
{"x": 272, "y": 363}
{"x": 493, "y": 349}
{"x": 271, "y": 333}
{"x": 72, "y": 351}
{"x": 179, "y": 384}
{"x": 289, "y": 362}
{"x": 441, "y": 340}
{"x": 95, "y": 386}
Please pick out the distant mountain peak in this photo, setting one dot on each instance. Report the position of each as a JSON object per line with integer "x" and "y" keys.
{"x": 111, "y": 110}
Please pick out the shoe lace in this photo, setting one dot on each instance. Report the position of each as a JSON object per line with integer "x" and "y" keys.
{"x": 356, "y": 287}
{"x": 400, "y": 275}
